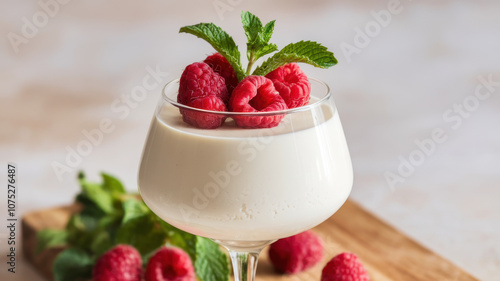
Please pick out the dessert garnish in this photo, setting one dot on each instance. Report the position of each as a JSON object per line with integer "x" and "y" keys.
{"x": 203, "y": 88}
{"x": 256, "y": 94}
{"x": 250, "y": 89}
{"x": 114, "y": 234}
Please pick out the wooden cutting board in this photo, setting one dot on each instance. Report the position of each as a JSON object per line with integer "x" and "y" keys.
{"x": 387, "y": 254}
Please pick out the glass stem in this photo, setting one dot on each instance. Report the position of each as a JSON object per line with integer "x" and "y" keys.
{"x": 244, "y": 264}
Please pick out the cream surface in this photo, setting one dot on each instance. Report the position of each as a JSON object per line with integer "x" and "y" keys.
{"x": 240, "y": 184}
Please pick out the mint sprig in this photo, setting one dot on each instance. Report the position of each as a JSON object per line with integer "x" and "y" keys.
{"x": 49, "y": 238}
{"x": 210, "y": 263}
{"x": 221, "y": 41}
{"x": 258, "y": 45}
{"x": 304, "y": 51}
{"x": 210, "y": 260}
{"x": 110, "y": 216}
{"x": 140, "y": 228}
{"x": 73, "y": 264}
{"x": 258, "y": 37}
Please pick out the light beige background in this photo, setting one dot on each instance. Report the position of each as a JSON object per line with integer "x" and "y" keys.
{"x": 395, "y": 90}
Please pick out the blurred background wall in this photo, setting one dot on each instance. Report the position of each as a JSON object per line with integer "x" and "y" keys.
{"x": 417, "y": 87}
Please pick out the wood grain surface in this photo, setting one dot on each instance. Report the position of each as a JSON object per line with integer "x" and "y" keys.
{"x": 387, "y": 254}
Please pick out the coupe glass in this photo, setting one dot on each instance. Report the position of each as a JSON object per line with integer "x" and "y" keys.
{"x": 245, "y": 188}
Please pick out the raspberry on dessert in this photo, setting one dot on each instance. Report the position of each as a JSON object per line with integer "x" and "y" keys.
{"x": 123, "y": 263}
{"x": 221, "y": 66}
{"x": 200, "y": 80}
{"x": 256, "y": 94}
{"x": 204, "y": 120}
{"x": 344, "y": 267}
{"x": 200, "y": 87}
{"x": 296, "y": 253}
{"x": 170, "y": 264}
{"x": 292, "y": 84}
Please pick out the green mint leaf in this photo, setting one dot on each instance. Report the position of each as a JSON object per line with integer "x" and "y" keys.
{"x": 48, "y": 238}
{"x": 101, "y": 243}
{"x": 221, "y": 41}
{"x": 180, "y": 239}
{"x": 264, "y": 50}
{"x": 185, "y": 241}
{"x": 87, "y": 229}
{"x": 258, "y": 37}
{"x": 112, "y": 184}
{"x": 268, "y": 30}
{"x": 211, "y": 263}
{"x": 252, "y": 26}
{"x": 72, "y": 265}
{"x": 80, "y": 230}
{"x": 89, "y": 206}
{"x": 124, "y": 219}
{"x": 132, "y": 209}
{"x": 141, "y": 233}
{"x": 140, "y": 228}
{"x": 96, "y": 194}
{"x": 304, "y": 51}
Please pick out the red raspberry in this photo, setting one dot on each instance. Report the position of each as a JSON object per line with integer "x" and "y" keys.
{"x": 221, "y": 66}
{"x": 201, "y": 119}
{"x": 344, "y": 267}
{"x": 170, "y": 264}
{"x": 292, "y": 84}
{"x": 200, "y": 87}
{"x": 296, "y": 253}
{"x": 122, "y": 263}
{"x": 256, "y": 94}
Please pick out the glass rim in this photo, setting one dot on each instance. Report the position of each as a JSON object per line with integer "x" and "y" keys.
{"x": 306, "y": 107}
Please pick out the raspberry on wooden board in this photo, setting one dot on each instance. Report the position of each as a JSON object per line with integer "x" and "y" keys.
{"x": 123, "y": 263}
{"x": 296, "y": 253}
{"x": 170, "y": 264}
{"x": 344, "y": 267}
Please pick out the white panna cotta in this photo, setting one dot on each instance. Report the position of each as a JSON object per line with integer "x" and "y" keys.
{"x": 246, "y": 184}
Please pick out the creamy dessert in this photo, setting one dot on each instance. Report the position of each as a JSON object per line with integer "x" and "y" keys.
{"x": 246, "y": 155}
{"x": 246, "y": 185}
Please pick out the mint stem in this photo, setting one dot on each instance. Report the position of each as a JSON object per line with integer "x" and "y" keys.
{"x": 251, "y": 61}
